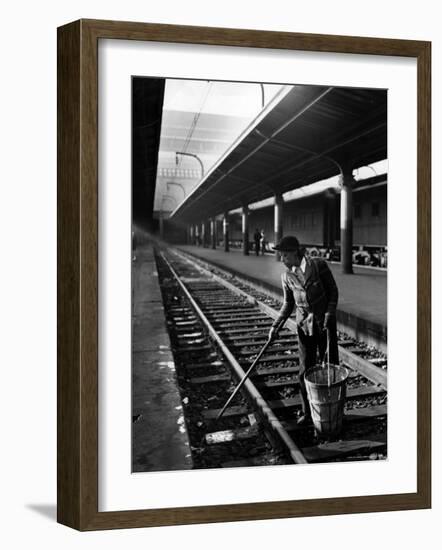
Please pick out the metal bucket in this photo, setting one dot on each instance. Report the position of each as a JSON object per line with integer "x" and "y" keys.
{"x": 326, "y": 390}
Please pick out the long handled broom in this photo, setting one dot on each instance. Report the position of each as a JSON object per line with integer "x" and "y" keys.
{"x": 244, "y": 378}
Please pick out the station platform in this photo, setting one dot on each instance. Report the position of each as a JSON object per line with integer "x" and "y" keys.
{"x": 362, "y": 306}
{"x": 159, "y": 437}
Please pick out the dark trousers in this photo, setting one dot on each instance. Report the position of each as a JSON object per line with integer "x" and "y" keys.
{"x": 312, "y": 351}
{"x": 257, "y": 247}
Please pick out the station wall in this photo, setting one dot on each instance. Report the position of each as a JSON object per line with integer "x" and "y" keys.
{"x": 303, "y": 218}
{"x": 370, "y": 216}
{"x": 315, "y": 219}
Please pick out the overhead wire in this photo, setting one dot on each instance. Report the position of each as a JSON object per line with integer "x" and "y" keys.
{"x": 195, "y": 120}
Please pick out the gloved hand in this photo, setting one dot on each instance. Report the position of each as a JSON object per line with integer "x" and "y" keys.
{"x": 273, "y": 333}
{"x": 329, "y": 321}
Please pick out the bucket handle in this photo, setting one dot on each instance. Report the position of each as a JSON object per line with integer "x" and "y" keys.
{"x": 327, "y": 354}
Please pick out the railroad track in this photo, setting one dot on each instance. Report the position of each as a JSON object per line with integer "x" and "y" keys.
{"x": 217, "y": 329}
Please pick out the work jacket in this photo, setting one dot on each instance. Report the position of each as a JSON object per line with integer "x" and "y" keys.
{"x": 314, "y": 293}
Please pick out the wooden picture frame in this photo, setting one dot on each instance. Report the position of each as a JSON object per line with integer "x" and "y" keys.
{"x": 78, "y": 274}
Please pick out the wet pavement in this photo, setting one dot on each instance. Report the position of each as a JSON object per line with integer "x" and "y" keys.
{"x": 159, "y": 437}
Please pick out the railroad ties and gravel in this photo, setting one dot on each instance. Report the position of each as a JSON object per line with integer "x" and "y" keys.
{"x": 205, "y": 382}
{"x": 242, "y": 437}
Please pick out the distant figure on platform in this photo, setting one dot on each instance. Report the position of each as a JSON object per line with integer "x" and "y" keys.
{"x": 257, "y": 239}
{"x": 263, "y": 242}
{"x": 309, "y": 285}
{"x": 198, "y": 240}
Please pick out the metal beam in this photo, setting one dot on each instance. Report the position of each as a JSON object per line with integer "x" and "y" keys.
{"x": 258, "y": 147}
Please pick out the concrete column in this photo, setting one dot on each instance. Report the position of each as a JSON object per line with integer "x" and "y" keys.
{"x": 203, "y": 234}
{"x": 346, "y": 182}
{"x": 279, "y": 201}
{"x": 197, "y": 232}
{"x": 245, "y": 230}
{"x": 226, "y": 231}
{"x": 191, "y": 237}
{"x": 206, "y": 233}
{"x": 213, "y": 232}
{"x": 329, "y": 218}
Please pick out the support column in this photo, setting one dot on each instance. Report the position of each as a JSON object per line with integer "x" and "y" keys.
{"x": 213, "y": 232}
{"x": 346, "y": 182}
{"x": 191, "y": 240}
{"x": 207, "y": 233}
{"x": 329, "y": 218}
{"x": 245, "y": 230}
{"x": 197, "y": 233}
{"x": 226, "y": 231}
{"x": 203, "y": 234}
{"x": 279, "y": 201}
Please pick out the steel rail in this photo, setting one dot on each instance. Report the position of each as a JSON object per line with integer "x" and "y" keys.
{"x": 364, "y": 367}
{"x": 263, "y": 409}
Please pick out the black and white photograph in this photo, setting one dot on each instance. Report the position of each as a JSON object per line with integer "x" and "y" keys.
{"x": 259, "y": 274}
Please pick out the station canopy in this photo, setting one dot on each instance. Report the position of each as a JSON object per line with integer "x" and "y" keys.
{"x": 304, "y": 135}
